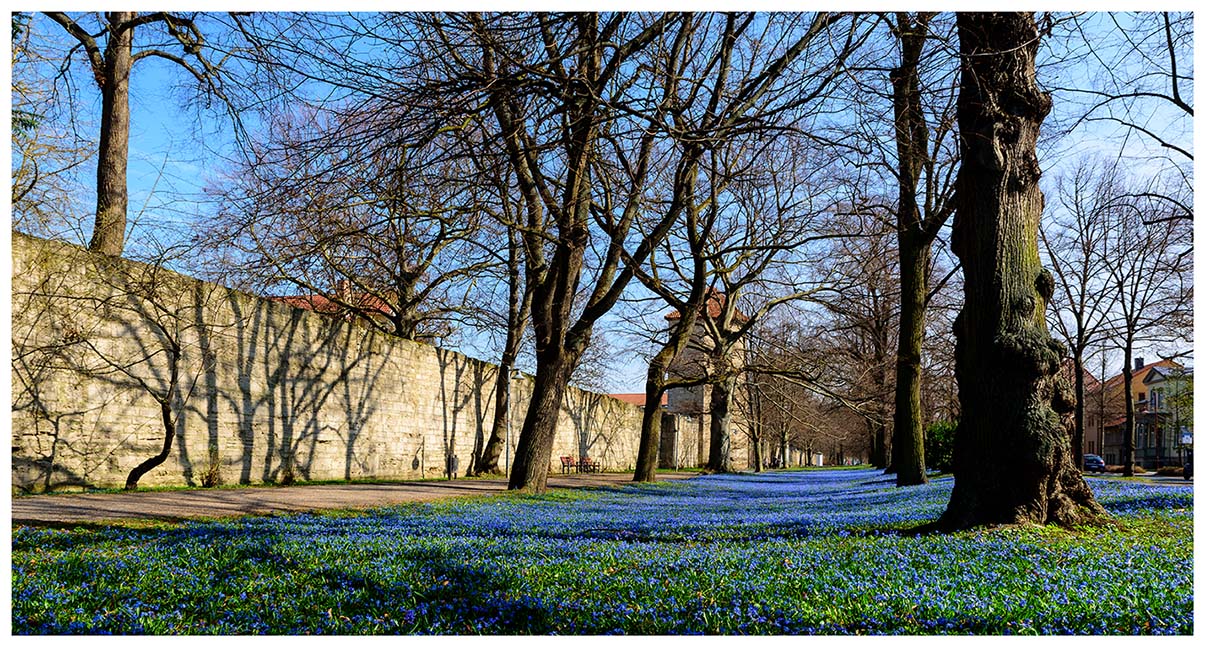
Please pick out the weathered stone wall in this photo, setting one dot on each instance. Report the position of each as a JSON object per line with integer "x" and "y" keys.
{"x": 265, "y": 392}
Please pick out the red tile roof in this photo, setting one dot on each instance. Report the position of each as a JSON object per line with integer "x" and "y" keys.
{"x": 638, "y": 398}
{"x": 325, "y": 305}
{"x": 1068, "y": 371}
{"x": 715, "y": 305}
{"x": 1117, "y": 380}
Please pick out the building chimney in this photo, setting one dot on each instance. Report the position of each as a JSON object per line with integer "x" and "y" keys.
{"x": 1139, "y": 363}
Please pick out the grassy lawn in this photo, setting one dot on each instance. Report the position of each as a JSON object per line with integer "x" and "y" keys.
{"x": 790, "y": 552}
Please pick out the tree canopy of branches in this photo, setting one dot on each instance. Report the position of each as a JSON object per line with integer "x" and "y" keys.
{"x": 108, "y": 42}
{"x": 1147, "y": 263}
{"x": 393, "y": 234}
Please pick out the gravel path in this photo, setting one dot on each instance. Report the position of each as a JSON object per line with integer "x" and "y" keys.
{"x": 68, "y": 509}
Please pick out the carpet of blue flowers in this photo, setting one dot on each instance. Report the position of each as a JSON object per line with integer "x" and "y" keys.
{"x": 787, "y": 552}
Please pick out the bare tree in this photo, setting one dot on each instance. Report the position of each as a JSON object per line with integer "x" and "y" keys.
{"x": 800, "y": 389}
{"x": 582, "y": 61}
{"x": 108, "y": 42}
{"x": 719, "y": 128}
{"x": 392, "y": 235}
{"x": 518, "y": 310}
{"x": 1138, "y": 88}
{"x": 768, "y": 258}
{"x": 582, "y": 105}
{"x": 905, "y": 166}
{"x": 47, "y": 151}
{"x": 1147, "y": 258}
{"x": 863, "y": 317}
{"x": 1073, "y": 246}
{"x": 923, "y": 136}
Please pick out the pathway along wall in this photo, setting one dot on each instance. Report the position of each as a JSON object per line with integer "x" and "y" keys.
{"x": 265, "y": 392}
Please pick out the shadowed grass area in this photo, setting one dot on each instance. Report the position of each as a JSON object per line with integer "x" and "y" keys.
{"x": 790, "y": 552}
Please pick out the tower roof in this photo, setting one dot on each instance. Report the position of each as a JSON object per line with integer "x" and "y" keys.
{"x": 714, "y": 304}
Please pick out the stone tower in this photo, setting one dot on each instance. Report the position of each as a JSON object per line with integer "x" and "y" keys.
{"x": 693, "y": 403}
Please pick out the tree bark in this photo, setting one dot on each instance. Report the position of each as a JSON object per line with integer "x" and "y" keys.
{"x": 915, "y": 238}
{"x": 720, "y": 459}
{"x": 650, "y": 421}
{"x": 908, "y": 444}
{"x": 108, "y": 232}
{"x": 879, "y": 457}
{"x": 487, "y": 462}
{"x": 167, "y": 414}
{"x": 534, "y": 450}
{"x": 1077, "y": 432}
{"x": 1012, "y": 459}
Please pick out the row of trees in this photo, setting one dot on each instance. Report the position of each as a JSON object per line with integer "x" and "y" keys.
{"x": 777, "y": 181}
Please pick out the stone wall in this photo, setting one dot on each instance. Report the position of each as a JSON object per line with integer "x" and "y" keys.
{"x": 265, "y": 392}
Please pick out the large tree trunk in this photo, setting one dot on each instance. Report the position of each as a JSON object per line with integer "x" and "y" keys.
{"x": 1012, "y": 459}
{"x": 720, "y": 459}
{"x": 908, "y": 444}
{"x": 534, "y": 451}
{"x": 912, "y": 146}
{"x": 650, "y": 421}
{"x": 559, "y": 342}
{"x": 109, "y": 229}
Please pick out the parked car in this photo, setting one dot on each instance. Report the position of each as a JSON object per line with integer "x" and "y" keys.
{"x": 1093, "y": 463}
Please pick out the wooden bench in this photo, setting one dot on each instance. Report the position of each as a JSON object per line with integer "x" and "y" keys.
{"x": 587, "y": 464}
{"x": 567, "y": 464}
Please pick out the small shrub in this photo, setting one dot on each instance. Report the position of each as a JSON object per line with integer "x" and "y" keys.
{"x": 1118, "y": 469}
{"x": 212, "y": 476}
{"x": 1170, "y": 470}
{"x": 939, "y": 445}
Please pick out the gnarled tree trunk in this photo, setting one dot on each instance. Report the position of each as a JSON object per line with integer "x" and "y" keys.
{"x": 1012, "y": 460}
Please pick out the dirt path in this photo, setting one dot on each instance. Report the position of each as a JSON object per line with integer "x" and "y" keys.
{"x": 180, "y": 505}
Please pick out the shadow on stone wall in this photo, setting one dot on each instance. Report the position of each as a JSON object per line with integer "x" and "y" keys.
{"x": 602, "y": 429}
{"x": 464, "y": 413}
{"x": 111, "y": 356}
{"x": 117, "y": 362}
